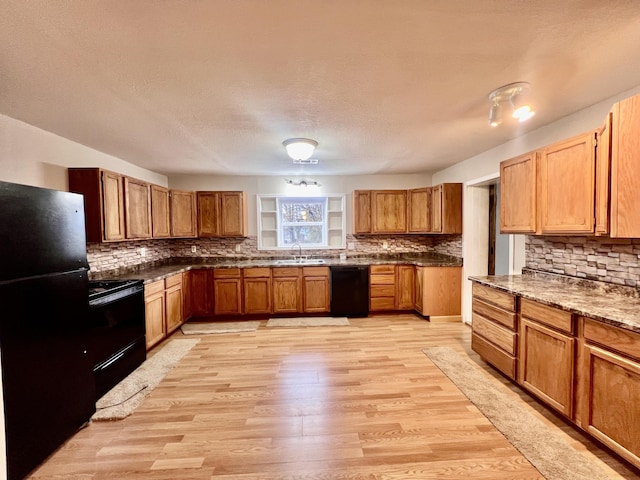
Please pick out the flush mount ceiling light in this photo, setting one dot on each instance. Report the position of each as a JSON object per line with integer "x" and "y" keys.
{"x": 308, "y": 161}
{"x": 514, "y": 93}
{"x": 300, "y": 148}
{"x": 302, "y": 183}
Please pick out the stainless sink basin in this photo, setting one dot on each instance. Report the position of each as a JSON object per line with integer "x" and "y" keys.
{"x": 301, "y": 261}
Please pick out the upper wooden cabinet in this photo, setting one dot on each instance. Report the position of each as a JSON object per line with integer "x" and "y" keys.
{"x": 137, "y": 205}
{"x": 603, "y": 175}
{"x": 183, "y": 213}
{"x": 446, "y": 208}
{"x": 222, "y": 214}
{"x": 567, "y": 186}
{"x": 160, "y": 219}
{"x": 420, "y": 210}
{"x": 625, "y": 168}
{"x": 103, "y": 202}
{"x": 361, "y": 211}
{"x": 389, "y": 211}
{"x": 518, "y": 194}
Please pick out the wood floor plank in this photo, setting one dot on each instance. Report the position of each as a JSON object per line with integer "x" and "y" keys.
{"x": 350, "y": 402}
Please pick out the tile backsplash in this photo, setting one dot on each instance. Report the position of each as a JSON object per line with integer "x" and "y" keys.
{"x": 111, "y": 256}
{"x": 612, "y": 260}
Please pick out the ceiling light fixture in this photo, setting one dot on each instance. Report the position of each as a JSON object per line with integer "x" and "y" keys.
{"x": 302, "y": 183}
{"x": 308, "y": 161}
{"x": 514, "y": 93}
{"x": 300, "y": 148}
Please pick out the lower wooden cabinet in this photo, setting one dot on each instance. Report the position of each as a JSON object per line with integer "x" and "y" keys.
{"x": 201, "y": 286}
{"x": 316, "y": 294}
{"x": 256, "y": 287}
{"x": 406, "y": 287}
{"x": 440, "y": 294}
{"x": 163, "y": 308}
{"x": 227, "y": 291}
{"x": 382, "y": 287}
{"x": 286, "y": 289}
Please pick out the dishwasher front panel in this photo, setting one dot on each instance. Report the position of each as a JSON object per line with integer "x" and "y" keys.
{"x": 350, "y": 291}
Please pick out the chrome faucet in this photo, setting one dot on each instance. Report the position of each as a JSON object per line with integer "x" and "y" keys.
{"x": 299, "y": 250}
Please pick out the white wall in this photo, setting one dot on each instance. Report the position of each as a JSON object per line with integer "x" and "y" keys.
{"x": 31, "y": 156}
{"x": 485, "y": 166}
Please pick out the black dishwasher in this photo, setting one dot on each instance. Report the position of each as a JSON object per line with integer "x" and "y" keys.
{"x": 350, "y": 290}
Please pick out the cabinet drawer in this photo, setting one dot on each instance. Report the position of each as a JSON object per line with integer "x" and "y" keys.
{"x": 260, "y": 272}
{"x": 382, "y": 279}
{"x": 173, "y": 280}
{"x": 153, "y": 288}
{"x": 496, "y": 357}
{"x": 553, "y": 317}
{"x": 383, "y": 269}
{"x": 613, "y": 338}
{"x": 383, "y": 303}
{"x": 315, "y": 271}
{"x": 491, "y": 295}
{"x": 285, "y": 271}
{"x": 508, "y": 319}
{"x": 495, "y": 333}
{"x": 226, "y": 273}
{"x": 383, "y": 291}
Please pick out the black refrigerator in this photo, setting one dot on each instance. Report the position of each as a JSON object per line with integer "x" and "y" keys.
{"x": 47, "y": 375}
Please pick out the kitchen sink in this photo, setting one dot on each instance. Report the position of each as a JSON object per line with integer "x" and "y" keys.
{"x": 301, "y": 261}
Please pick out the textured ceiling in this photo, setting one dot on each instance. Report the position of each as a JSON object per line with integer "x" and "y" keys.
{"x": 214, "y": 87}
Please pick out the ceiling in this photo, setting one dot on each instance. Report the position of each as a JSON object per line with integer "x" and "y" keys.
{"x": 384, "y": 87}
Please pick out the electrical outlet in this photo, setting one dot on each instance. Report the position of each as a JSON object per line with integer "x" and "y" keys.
{"x": 385, "y": 245}
{"x": 143, "y": 252}
{"x": 238, "y": 247}
{"x": 351, "y": 246}
{"x": 193, "y": 249}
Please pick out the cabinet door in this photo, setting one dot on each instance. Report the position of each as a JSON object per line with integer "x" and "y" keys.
{"x": 518, "y": 194}
{"x": 612, "y": 414}
{"x": 183, "y": 214}
{"x": 567, "y": 186}
{"x": 286, "y": 294}
{"x": 257, "y": 295}
{"x": 113, "y": 206}
{"x": 603, "y": 176}
{"x": 451, "y": 208}
{"x": 406, "y": 287}
{"x": 419, "y": 286}
{"x": 315, "y": 289}
{"x": 361, "y": 211}
{"x": 625, "y": 169}
{"x": 436, "y": 209}
{"x": 227, "y": 296}
{"x": 389, "y": 211}
{"x": 160, "y": 212}
{"x": 173, "y": 302}
{"x": 546, "y": 365}
{"x": 137, "y": 202}
{"x": 420, "y": 210}
{"x": 201, "y": 292}
{"x": 232, "y": 214}
{"x": 186, "y": 296}
{"x": 442, "y": 292}
{"x": 208, "y": 222}
{"x": 154, "y": 307}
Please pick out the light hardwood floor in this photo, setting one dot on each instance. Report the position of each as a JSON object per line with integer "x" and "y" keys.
{"x": 356, "y": 402}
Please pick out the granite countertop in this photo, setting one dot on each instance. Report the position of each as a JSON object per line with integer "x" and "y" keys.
{"x": 611, "y": 304}
{"x": 159, "y": 271}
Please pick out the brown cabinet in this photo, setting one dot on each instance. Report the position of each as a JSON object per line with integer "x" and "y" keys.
{"x": 103, "y": 202}
{"x": 183, "y": 214}
{"x": 440, "y": 295}
{"x": 420, "y": 210}
{"x": 287, "y": 289}
{"x": 160, "y": 219}
{"x": 389, "y": 211}
{"x": 222, "y": 214}
{"x": 603, "y": 176}
{"x": 256, "y": 287}
{"x": 494, "y": 324}
{"x": 609, "y": 387}
{"x": 315, "y": 289}
{"x": 137, "y": 205}
{"x": 227, "y": 287}
{"x": 382, "y": 287}
{"x": 518, "y": 194}
{"x": 186, "y": 296}
{"x": 174, "y": 304}
{"x": 625, "y": 169}
{"x": 546, "y": 354}
{"x": 154, "y": 307}
{"x": 361, "y": 211}
{"x": 446, "y": 208}
{"x": 201, "y": 286}
{"x": 567, "y": 186}
{"x": 406, "y": 287}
